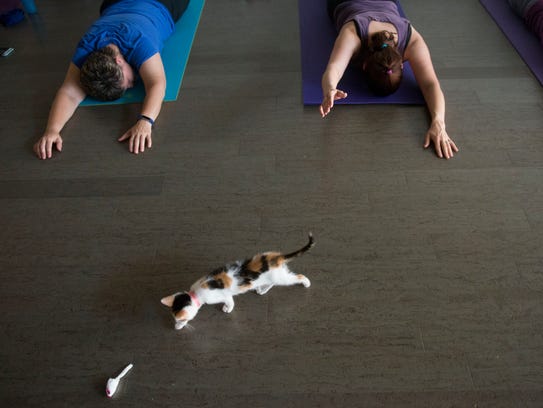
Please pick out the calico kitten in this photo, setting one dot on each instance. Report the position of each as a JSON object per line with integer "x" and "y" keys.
{"x": 259, "y": 273}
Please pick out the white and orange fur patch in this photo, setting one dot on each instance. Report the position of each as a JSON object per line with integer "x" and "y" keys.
{"x": 259, "y": 273}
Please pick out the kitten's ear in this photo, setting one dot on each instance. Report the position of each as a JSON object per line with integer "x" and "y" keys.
{"x": 168, "y": 300}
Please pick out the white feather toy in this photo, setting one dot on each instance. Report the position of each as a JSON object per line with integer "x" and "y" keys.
{"x": 113, "y": 383}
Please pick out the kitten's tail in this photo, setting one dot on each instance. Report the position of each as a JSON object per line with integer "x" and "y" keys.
{"x": 299, "y": 252}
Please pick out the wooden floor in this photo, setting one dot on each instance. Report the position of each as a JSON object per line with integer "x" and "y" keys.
{"x": 427, "y": 274}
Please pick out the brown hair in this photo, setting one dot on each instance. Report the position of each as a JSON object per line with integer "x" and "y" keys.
{"x": 101, "y": 77}
{"x": 383, "y": 64}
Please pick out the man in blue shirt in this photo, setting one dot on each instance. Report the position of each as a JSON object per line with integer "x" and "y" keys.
{"x": 124, "y": 42}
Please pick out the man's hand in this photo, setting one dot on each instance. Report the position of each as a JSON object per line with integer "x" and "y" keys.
{"x": 44, "y": 146}
{"x": 443, "y": 144}
{"x": 139, "y": 137}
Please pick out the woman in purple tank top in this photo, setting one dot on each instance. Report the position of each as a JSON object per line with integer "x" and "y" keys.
{"x": 374, "y": 37}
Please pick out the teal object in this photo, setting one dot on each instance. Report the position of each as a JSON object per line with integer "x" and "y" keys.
{"x": 175, "y": 56}
{"x": 29, "y": 6}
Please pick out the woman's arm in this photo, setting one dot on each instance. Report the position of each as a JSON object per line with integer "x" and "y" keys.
{"x": 154, "y": 80}
{"x": 66, "y": 101}
{"x": 419, "y": 58}
{"x": 347, "y": 44}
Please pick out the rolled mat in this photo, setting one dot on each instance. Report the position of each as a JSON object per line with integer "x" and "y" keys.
{"x": 523, "y": 40}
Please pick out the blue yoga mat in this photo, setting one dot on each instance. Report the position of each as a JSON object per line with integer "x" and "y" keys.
{"x": 175, "y": 55}
{"x": 523, "y": 40}
{"x": 317, "y": 37}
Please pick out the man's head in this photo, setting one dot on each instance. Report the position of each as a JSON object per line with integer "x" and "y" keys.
{"x": 105, "y": 74}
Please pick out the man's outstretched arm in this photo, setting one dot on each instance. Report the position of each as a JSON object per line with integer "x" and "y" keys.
{"x": 154, "y": 80}
{"x": 67, "y": 99}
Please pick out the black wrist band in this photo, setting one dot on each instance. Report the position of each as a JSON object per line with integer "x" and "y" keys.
{"x": 147, "y": 119}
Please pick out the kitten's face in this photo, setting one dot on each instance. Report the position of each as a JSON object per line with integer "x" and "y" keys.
{"x": 183, "y": 308}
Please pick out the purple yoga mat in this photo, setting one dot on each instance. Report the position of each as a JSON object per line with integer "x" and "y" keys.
{"x": 317, "y": 37}
{"x": 525, "y": 42}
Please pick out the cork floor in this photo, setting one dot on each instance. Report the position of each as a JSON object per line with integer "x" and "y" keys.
{"x": 426, "y": 276}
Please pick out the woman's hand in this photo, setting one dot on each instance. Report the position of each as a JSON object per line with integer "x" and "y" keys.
{"x": 443, "y": 144}
{"x": 139, "y": 137}
{"x": 329, "y": 98}
{"x": 44, "y": 146}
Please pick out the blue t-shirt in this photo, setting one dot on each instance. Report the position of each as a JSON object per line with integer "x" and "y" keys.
{"x": 138, "y": 27}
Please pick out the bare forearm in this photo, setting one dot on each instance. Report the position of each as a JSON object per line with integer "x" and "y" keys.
{"x": 139, "y": 136}
{"x": 346, "y": 45}
{"x": 435, "y": 101}
{"x": 62, "y": 109}
{"x": 330, "y": 78}
{"x": 437, "y": 133}
{"x": 152, "y": 104}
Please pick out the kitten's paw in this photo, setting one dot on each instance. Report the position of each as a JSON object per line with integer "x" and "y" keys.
{"x": 262, "y": 290}
{"x": 304, "y": 281}
{"x": 227, "y": 308}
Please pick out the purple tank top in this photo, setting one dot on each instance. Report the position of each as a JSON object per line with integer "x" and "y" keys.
{"x": 362, "y": 12}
